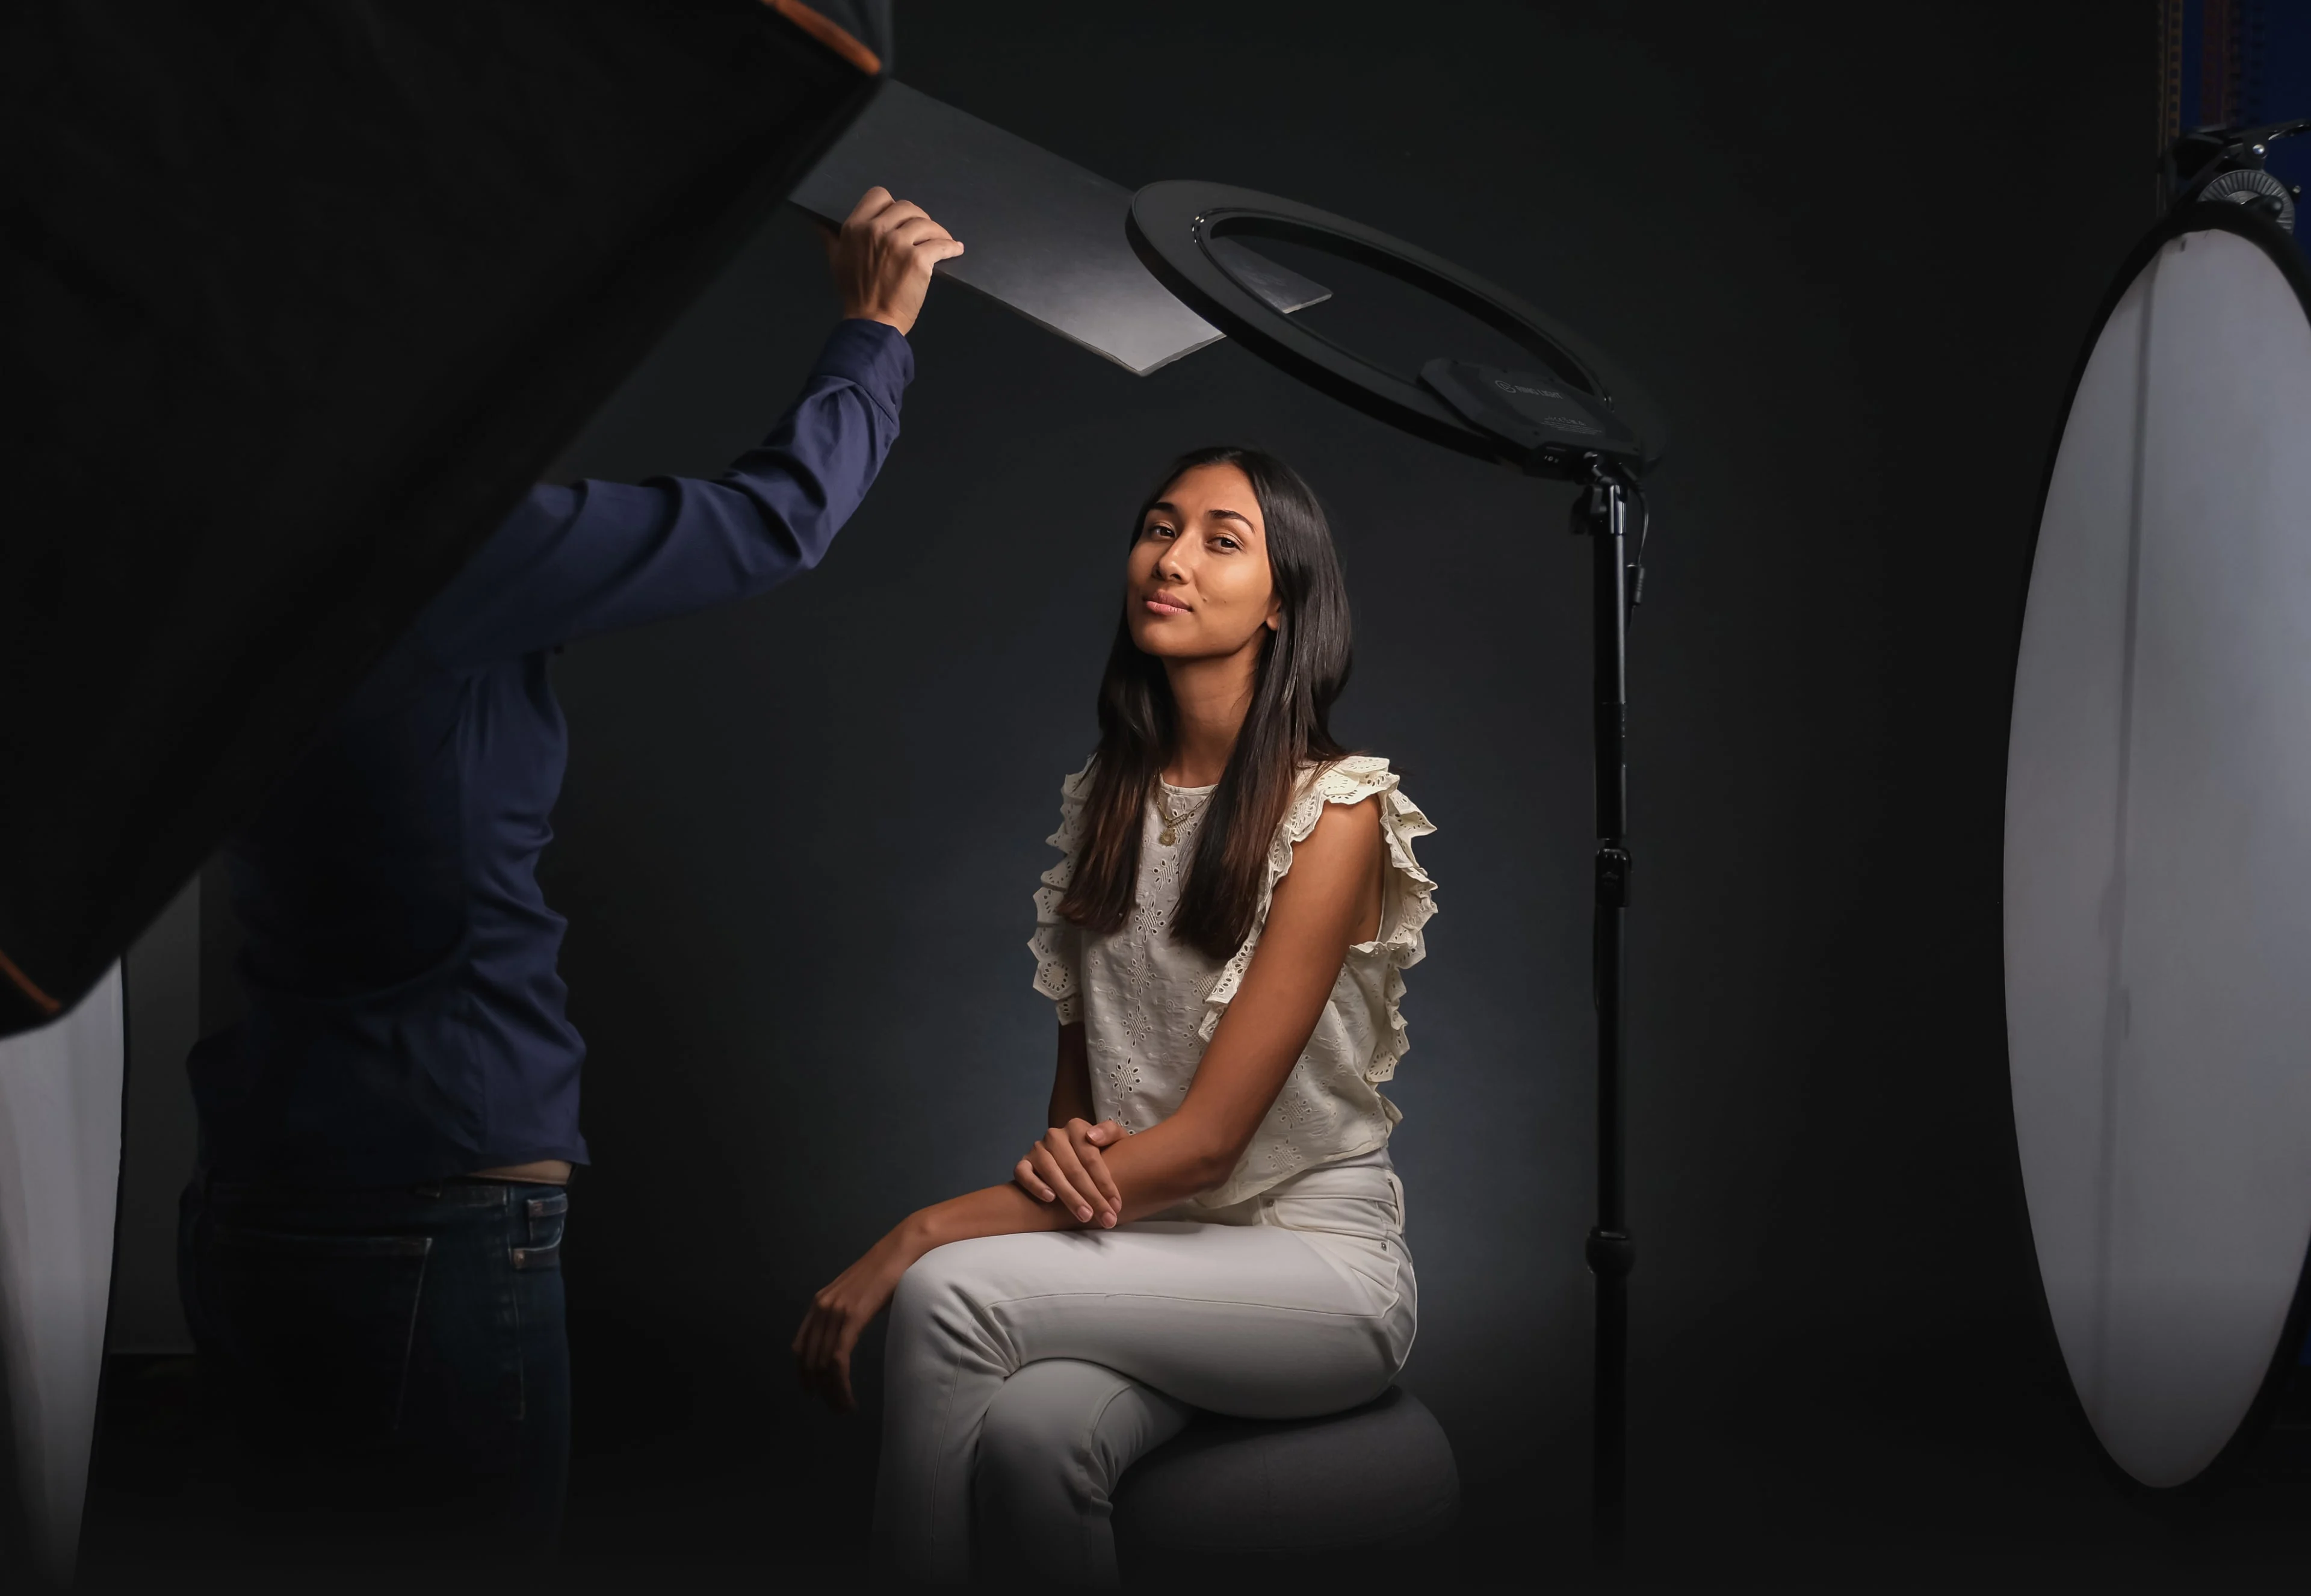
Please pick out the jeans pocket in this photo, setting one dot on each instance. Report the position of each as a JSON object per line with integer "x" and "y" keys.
{"x": 543, "y": 1219}
{"x": 318, "y": 1330}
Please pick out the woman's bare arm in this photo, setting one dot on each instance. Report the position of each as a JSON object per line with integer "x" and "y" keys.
{"x": 1330, "y": 901}
{"x": 1071, "y": 1083}
{"x": 1065, "y": 1166}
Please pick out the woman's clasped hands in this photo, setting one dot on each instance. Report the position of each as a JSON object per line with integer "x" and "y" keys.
{"x": 1066, "y": 1167}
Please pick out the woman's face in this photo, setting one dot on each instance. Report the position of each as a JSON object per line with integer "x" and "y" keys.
{"x": 1198, "y": 586}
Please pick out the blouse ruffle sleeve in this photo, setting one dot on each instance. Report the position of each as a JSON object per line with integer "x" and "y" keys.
{"x": 1408, "y": 896}
{"x": 1058, "y": 944}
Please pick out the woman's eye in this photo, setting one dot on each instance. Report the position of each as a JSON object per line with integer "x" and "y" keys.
{"x": 1227, "y": 543}
{"x": 1159, "y": 530}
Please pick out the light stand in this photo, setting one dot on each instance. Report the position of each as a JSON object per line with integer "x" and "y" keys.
{"x": 1574, "y": 419}
{"x": 1602, "y": 513}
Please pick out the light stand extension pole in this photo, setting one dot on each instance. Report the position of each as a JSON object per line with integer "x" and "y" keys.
{"x": 1602, "y": 513}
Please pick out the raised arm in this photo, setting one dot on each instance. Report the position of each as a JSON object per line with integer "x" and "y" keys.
{"x": 1328, "y": 900}
{"x": 597, "y": 555}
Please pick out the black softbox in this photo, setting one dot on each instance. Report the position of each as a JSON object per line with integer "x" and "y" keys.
{"x": 300, "y": 297}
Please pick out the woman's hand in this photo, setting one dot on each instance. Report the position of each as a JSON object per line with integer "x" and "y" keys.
{"x": 1066, "y": 1167}
{"x": 841, "y": 1311}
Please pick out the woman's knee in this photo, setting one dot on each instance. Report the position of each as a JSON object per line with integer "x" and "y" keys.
{"x": 1041, "y": 1422}
{"x": 941, "y": 1299}
{"x": 1063, "y": 1427}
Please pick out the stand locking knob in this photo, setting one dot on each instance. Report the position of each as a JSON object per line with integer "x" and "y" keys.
{"x": 1613, "y": 865}
{"x": 1611, "y": 1253}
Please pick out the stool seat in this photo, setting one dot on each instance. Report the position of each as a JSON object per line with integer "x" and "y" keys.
{"x": 1379, "y": 1476}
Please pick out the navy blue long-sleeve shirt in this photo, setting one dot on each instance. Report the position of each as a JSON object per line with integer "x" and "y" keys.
{"x": 406, "y": 1019}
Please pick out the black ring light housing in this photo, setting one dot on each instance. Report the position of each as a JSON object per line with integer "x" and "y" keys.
{"x": 1546, "y": 422}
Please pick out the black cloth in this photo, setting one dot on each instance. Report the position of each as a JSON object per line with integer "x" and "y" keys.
{"x": 297, "y": 301}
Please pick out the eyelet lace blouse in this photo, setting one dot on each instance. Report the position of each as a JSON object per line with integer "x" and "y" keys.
{"x": 1150, "y": 1004}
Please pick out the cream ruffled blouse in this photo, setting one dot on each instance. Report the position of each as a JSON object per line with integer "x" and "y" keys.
{"x": 1150, "y": 1004}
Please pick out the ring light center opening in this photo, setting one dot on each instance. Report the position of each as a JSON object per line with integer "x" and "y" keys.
{"x": 1391, "y": 313}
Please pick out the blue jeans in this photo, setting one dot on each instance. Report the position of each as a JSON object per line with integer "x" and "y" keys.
{"x": 395, "y": 1362}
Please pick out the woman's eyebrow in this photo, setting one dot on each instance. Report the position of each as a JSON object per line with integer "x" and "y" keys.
{"x": 1171, "y": 510}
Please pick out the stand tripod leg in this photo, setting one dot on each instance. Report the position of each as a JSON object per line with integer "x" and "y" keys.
{"x": 1610, "y": 1252}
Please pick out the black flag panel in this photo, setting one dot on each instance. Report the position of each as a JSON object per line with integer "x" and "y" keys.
{"x": 300, "y": 295}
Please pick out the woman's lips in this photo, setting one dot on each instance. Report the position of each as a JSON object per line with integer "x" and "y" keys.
{"x": 1163, "y": 606}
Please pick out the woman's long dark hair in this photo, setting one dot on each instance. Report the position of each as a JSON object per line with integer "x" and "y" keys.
{"x": 1303, "y": 664}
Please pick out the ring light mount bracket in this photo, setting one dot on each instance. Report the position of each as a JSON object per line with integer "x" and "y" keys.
{"x": 1543, "y": 419}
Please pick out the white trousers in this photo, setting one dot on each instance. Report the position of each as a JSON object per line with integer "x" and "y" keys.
{"x": 1032, "y": 1370}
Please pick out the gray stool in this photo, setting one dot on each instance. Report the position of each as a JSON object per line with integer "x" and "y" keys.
{"x": 1376, "y": 1478}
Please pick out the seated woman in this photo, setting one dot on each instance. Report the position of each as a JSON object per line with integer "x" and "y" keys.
{"x": 1211, "y": 1222}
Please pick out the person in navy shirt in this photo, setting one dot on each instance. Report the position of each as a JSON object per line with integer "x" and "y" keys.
{"x": 369, "y": 1252}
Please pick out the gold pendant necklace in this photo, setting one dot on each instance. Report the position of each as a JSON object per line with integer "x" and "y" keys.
{"x": 1170, "y": 834}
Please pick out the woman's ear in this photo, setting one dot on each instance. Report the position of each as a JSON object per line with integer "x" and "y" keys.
{"x": 1276, "y": 614}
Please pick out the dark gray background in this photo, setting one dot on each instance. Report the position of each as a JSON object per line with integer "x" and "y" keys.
{"x": 1853, "y": 252}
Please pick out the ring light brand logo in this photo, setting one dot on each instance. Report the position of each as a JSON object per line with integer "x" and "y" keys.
{"x": 1562, "y": 423}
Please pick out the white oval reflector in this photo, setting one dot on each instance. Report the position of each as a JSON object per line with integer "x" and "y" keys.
{"x": 2158, "y": 857}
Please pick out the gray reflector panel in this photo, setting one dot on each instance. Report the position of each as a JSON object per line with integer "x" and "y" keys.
{"x": 2157, "y": 858}
{"x": 1042, "y": 235}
